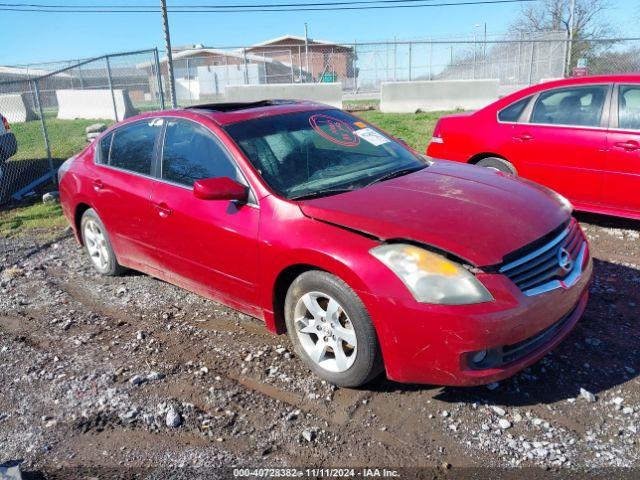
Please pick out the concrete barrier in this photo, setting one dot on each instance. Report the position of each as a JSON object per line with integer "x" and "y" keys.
{"x": 93, "y": 104}
{"x": 431, "y": 96}
{"x": 329, "y": 93}
{"x": 16, "y": 108}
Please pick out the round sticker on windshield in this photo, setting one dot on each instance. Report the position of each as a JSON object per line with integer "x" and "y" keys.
{"x": 335, "y": 130}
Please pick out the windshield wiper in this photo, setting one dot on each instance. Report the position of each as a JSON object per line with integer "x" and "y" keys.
{"x": 322, "y": 193}
{"x": 396, "y": 173}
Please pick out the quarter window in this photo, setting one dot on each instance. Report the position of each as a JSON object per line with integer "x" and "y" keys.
{"x": 629, "y": 107}
{"x": 190, "y": 153}
{"x": 132, "y": 146}
{"x": 581, "y": 106}
{"x": 512, "y": 112}
{"x": 105, "y": 146}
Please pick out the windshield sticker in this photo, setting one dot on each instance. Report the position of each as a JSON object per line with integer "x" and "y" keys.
{"x": 335, "y": 130}
{"x": 360, "y": 124}
{"x": 371, "y": 136}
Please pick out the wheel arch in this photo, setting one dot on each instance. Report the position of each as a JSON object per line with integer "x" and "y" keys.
{"x": 481, "y": 156}
{"x": 79, "y": 210}
{"x": 279, "y": 292}
{"x": 288, "y": 273}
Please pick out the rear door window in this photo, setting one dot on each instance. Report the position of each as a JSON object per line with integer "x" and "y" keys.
{"x": 133, "y": 146}
{"x": 576, "y": 106}
{"x": 629, "y": 107}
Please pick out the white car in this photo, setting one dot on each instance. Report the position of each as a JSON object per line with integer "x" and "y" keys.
{"x": 8, "y": 143}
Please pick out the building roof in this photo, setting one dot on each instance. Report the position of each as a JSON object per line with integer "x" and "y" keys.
{"x": 195, "y": 52}
{"x": 298, "y": 39}
{"x": 26, "y": 71}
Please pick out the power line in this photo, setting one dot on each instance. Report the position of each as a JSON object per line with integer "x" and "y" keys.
{"x": 248, "y": 9}
{"x": 209, "y": 6}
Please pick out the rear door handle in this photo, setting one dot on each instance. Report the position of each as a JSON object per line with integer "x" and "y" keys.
{"x": 98, "y": 185}
{"x": 629, "y": 146}
{"x": 525, "y": 137}
{"x": 163, "y": 209}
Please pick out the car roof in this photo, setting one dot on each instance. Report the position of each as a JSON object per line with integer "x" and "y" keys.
{"x": 562, "y": 82}
{"x": 622, "y": 77}
{"x": 228, "y": 113}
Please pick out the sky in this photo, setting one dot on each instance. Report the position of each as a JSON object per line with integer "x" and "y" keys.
{"x": 33, "y": 37}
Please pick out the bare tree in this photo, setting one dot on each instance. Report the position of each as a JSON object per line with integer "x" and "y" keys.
{"x": 589, "y": 23}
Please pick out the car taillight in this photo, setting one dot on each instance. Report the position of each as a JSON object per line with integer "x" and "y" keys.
{"x": 64, "y": 168}
{"x": 5, "y": 122}
{"x": 437, "y": 133}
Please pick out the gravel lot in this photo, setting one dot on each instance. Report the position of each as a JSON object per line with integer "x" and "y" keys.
{"x": 135, "y": 372}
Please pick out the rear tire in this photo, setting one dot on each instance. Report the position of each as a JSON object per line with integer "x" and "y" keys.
{"x": 97, "y": 244}
{"x": 499, "y": 164}
{"x": 331, "y": 330}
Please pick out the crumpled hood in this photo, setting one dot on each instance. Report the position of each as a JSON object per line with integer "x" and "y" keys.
{"x": 475, "y": 213}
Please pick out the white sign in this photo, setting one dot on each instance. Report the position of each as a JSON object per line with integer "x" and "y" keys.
{"x": 371, "y": 136}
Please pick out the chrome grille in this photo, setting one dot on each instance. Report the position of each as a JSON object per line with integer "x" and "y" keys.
{"x": 556, "y": 263}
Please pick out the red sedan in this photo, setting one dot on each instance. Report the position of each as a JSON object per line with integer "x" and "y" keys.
{"x": 368, "y": 254}
{"x": 580, "y": 137}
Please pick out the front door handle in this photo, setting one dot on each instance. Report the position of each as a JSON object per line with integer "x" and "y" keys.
{"x": 629, "y": 145}
{"x": 163, "y": 209}
{"x": 97, "y": 184}
{"x": 525, "y": 137}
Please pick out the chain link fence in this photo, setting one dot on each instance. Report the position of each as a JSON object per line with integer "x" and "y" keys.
{"x": 46, "y": 112}
{"x": 49, "y": 106}
{"x": 203, "y": 73}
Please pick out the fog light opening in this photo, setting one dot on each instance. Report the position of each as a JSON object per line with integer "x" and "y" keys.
{"x": 478, "y": 357}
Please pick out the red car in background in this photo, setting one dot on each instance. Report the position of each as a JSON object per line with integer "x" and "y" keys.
{"x": 579, "y": 136}
{"x": 370, "y": 256}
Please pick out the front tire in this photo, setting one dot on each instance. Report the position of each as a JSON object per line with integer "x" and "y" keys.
{"x": 97, "y": 244}
{"x": 331, "y": 330}
{"x": 498, "y": 164}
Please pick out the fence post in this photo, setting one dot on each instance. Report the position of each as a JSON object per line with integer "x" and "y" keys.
{"x": 431, "y": 59}
{"x": 475, "y": 52}
{"x": 113, "y": 96}
{"x": 533, "y": 45}
{"x": 355, "y": 68}
{"x": 156, "y": 60}
{"x": 43, "y": 125}
{"x": 246, "y": 71}
{"x": 300, "y": 63}
{"x": 81, "y": 76}
{"x": 189, "y": 80}
{"x": 519, "y": 58}
{"x": 410, "y": 65}
{"x": 293, "y": 78}
{"x": 395, "y": 60}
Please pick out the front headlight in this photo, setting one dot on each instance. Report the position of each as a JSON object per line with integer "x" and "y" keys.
{"x": 430, "y": 277}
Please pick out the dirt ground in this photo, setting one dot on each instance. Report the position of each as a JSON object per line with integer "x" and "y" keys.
{"x": 134, "y": 372}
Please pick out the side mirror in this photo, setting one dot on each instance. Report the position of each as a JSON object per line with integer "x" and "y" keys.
{"x": 220, "y": 188}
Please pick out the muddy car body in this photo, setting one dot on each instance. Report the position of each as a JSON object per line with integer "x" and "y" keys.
{"x": 434, "y": 271}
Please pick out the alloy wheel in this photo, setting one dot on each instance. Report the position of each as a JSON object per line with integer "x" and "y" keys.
{"x": 96, "y": 243}
{"x": 325, "y": 331}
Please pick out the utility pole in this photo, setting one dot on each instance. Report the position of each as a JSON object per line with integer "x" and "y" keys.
{"x": 306, "y": 48}
{"x": 167, "y": 45}
{"x": 572, "y": 9}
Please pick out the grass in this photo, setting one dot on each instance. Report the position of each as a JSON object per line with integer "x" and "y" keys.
{"x": 31, "y": 220}
{"x": 66, "y": 137}
{"x": 414, "y": 128}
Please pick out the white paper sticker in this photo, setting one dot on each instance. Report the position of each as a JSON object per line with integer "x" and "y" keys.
{"x": 371, "y": 136}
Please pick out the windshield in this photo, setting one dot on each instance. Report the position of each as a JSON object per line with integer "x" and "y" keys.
{"x": 320, "y": 152}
